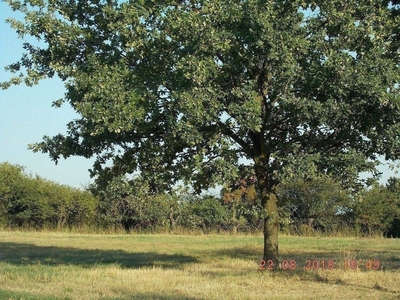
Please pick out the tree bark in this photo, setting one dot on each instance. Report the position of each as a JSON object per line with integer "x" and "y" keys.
{"x": 234, "y": 227}
{"x": 271, "y": 225}
{"x": 172, "y": 220}
{"x": 267, "y": 184}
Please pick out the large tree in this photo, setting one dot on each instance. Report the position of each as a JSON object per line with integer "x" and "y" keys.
{"x": 187, "y": 89}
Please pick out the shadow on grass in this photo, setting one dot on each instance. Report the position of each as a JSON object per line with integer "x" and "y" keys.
{"x": 10, "y": 295}
{"x": 28, "y": 254}
{"x": 151, "y": 296}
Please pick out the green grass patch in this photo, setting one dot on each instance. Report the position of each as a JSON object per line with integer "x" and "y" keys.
{"x": 50, "y": 265}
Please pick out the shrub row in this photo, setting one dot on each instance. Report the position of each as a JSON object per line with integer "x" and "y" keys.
{"x": 306, "y": 206}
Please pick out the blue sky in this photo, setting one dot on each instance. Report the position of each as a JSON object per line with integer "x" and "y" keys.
{"x": 26, "y": 116}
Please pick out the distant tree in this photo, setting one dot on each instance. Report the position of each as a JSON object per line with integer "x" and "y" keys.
{"x": 175, "y": 208}
{"x": 393, "y": 185}
{"x": 131, "y": 205}
{"x": 319, "y": 203}
{"x": 206, "y": 213}
{"x": 186, "y": 89}
{"x": 377, "y": 209}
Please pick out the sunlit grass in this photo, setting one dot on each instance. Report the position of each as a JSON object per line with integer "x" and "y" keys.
{"x": 49, "y": 265}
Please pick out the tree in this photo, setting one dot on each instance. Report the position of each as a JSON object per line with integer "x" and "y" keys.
{"x": 393, "y": 186}
{"x": 185, "y": 89}
{"x": 130, "y": 204}
{"x": 319, "y": 203}
{"x": 377, "y": 209}
{"x": 206, "y": 213}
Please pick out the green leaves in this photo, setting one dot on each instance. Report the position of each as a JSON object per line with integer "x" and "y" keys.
{"x": 377, "y": 209}
{"x": 33, "y": 202}
{"x": 187, "y": 90}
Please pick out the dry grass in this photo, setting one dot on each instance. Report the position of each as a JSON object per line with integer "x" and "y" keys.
{"x": 48, "y": 265}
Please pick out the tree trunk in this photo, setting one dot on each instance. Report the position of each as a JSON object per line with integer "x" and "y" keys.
{"x": 172, "y": 220}
{"x": 271, "y": 225}
{"x": 234, "y": 220}
{"x": 267, "y": 184}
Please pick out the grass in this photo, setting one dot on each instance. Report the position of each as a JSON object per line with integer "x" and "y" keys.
{"x": 51, "y": 265}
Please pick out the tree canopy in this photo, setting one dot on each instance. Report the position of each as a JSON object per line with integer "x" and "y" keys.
{"x": 188, "y": 89}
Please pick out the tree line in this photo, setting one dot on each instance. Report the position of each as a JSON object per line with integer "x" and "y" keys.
{"x": 306, "y": 206}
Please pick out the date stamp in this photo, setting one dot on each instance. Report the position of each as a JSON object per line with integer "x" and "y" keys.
{"x": 322, "y": 264}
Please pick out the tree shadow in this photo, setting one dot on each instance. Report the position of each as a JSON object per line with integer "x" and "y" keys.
{"x": 153, "y": 296}
{"x": 29, "y": 254}
{"x": 6, "y": 294}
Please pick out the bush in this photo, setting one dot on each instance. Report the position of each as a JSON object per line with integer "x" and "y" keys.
{"x": 207, "y": 213}
{"x": 129, "y": 204}
{"x": 34, "y": 202}
{"x": 11, "y": 189}
{"x": 377, "y": 210}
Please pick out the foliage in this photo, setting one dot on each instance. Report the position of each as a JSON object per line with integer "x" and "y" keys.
{"x": 305, "y": 205}
{"x": 11, "y": 180}
{"x": 319, "y": 203}
{"x": 22, "y": 201}
{"x": 243, "y": 200}
{"x": 315, "y": 203}
{"x": 377, "y": 209}
{"x": 34, "y": 202}
{"x": 393, "y": 185}
{"x": 130, "y": 204}
{"x": 394, "y": 228}
{"x": 207, "y": 213}
{"x": 186, "y": 89}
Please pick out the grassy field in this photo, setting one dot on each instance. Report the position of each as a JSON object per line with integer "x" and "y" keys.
{"x": 48, "y": 265}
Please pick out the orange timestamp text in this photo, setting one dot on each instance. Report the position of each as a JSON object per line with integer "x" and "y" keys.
{"x": 321, "y": 264}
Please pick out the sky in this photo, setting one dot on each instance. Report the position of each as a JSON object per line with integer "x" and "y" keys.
{"x": 26, "y": 116}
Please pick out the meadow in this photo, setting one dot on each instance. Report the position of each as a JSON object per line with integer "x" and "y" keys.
{"x": 56, "y": 265}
